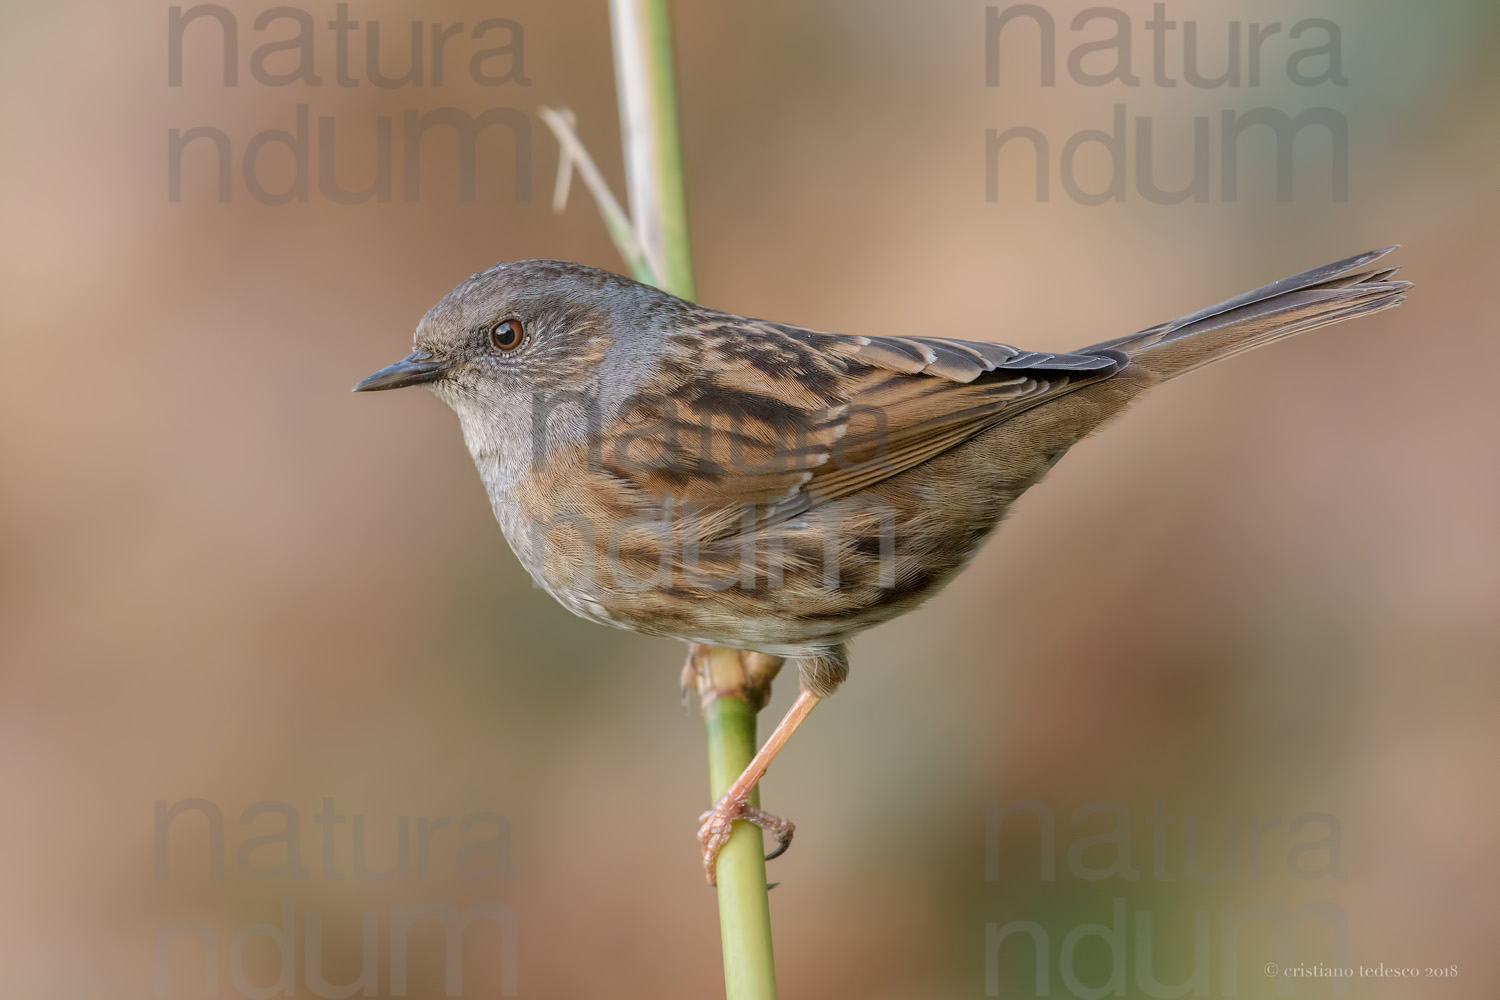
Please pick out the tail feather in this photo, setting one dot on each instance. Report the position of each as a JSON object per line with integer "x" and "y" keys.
{"x": 1270, "y": 313}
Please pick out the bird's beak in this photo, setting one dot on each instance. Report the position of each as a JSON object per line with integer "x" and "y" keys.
{"x": 414, "y": 369}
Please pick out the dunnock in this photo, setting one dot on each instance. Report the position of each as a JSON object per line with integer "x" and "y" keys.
{"x": 675, "y": 470}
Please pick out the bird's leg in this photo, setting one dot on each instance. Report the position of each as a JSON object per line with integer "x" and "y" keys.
{"x": 819, "y": 676}
{"x": 718, "y": 822}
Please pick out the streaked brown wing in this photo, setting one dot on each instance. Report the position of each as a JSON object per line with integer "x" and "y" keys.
{"x": 752, "y": 422}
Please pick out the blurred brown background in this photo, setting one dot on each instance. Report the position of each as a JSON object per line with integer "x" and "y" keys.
{"x": 1269, "y": 591}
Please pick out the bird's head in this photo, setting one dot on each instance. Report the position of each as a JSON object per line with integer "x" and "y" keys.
{"x": 531, "y": 336}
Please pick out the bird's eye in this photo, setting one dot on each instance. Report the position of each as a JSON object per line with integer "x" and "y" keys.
{"x": 507, "y": 335}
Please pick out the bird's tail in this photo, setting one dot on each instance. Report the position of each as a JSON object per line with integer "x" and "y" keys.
{"x": 1283, "y": 308}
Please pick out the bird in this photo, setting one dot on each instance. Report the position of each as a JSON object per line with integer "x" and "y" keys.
{"x": 671, "y": 469}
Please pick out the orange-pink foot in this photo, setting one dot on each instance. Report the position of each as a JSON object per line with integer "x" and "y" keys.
{"x": 718, "y": 824}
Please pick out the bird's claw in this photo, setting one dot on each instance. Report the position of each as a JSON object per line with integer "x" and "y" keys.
{"x": 717, "y": 824}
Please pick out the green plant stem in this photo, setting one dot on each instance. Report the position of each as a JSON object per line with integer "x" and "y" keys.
{"x": 648, "y": 125}
{"x": 653, "y": 159}
{"x": 744, "y": 907}
{"x": 732, "y": 686}
{"x": 677, "y": 262}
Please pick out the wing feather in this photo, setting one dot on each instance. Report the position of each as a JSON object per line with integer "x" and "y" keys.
{"x": 750, "y": 423}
